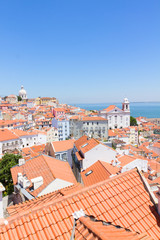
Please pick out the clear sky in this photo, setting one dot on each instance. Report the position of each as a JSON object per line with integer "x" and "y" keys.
{"x": 81, "y": 51}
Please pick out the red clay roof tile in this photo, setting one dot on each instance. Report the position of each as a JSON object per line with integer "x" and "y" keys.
{"x": 90, "y": 199}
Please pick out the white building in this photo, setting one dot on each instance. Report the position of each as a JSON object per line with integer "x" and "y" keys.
{"x": 117, "y": 118}
{"x": 88, "y": 151}
{"x": 23, "y": 93}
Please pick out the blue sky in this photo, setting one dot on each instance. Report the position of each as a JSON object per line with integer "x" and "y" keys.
{"x": 81, "y": 51}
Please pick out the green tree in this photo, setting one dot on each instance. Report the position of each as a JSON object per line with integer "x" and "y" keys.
{"x": 19, "y": 98}
{"x": 133, "y": 121}
{"x": 8, "y": 161}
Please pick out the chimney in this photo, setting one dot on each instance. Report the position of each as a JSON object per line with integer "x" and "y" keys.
{"x": 2, "y": 188}
{"x": 37, "y": 182}
{"x": 21, "y": 161}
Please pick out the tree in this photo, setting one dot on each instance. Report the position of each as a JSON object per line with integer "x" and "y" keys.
{"x": 8, "y": 161}
{"x": 19, "y": 98}
{"x": 133, "y": 121}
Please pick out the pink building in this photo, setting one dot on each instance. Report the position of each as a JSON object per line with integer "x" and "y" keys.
{"x": 57, "y": 112}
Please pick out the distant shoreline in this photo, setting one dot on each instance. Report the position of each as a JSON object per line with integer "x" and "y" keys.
{"x": 108, "y": 103}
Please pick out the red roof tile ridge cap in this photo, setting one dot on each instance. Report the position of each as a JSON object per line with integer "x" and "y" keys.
{"x": 101, "y": 162}
{"x": 85, "y": 189}
{"x": 44, "y": 155}
{"x": 101, "y": 235}
{"x": 84, "y": 221}
{"x": 148, "y": 189}
{"x": 29, "y": 159}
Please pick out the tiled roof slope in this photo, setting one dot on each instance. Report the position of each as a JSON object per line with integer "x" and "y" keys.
{"x": 47, "y": 167}
{"x": 100, "y": 172}
{"x": 60, "y": 146}
{"x": 121, "y": 200}
{"x": 91, "y": 143}
{"x": 110, "y": 108}
{"x": 88, "y": 229}
{"x": 82, "y": 140}
{"x": 36, "y": 202}
{"x": 6, "y": 134}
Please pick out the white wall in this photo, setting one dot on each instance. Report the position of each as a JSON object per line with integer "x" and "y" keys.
{"x": 100, "y": 152}
{"x": 29, "y": 140}
{"x": 155, "y": 149}
{"x": 139, "y": 163}
{"x": 42, "y": 138}
{"x": 55, "y": 185}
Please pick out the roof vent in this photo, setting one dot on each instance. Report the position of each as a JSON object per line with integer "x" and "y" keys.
{"x": 37, "y": 182}
{"x": 78, "y": 214}
{"x": 21, "y": 161}
{"x": 23, "y": 181}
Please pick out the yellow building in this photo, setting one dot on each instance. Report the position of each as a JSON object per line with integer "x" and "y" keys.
{"x": 45, "y": 100}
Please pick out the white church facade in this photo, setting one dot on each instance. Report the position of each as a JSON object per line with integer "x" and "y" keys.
{"x": 23, "y": 93}
{"x": 117, "y": 118}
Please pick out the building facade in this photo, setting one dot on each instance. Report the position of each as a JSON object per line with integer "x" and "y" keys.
{"x": 117, "y": 118}
{"x": 63, "y": 128}
{"x": 96, "y": 127}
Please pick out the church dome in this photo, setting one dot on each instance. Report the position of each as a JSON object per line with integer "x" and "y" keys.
{"x": 23, "y": 93}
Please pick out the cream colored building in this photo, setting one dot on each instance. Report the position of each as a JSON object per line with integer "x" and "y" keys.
{"x": 12, "y": 99}
{"x": 52, "y": 134}
{"x": 133, "y": 137}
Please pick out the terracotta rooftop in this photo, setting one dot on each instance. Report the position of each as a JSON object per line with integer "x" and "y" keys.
{"x": 91, "y": 143}
{"x": 92, "y": 119}
{"x": 48, "y": 167}
{"x": 60, "y": 146}
{"x": 6, "y": 134}
{"x": 30, "y": 152}
{"x": 98, "y": 172}
{"x": 82, "y": 140}
{"x": 90, "y": 228}
{"x": 121, "y": 200}
{"x": 126, "y": 159}
{"x": 36, "y": 202}
{"x": 110, "y": 108}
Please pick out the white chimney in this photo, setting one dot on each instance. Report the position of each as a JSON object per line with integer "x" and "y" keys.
{"x": 19, "y": 177}
{"x": 23, "y": 181}
{"x": 2, "y": 188}
{"x": 21, "y": 161}
{"x": 37, "y": 182}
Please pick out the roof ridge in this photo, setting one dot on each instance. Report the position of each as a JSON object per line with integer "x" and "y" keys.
{"x": 101, "y": 162}
{"x": 48, "y": 165}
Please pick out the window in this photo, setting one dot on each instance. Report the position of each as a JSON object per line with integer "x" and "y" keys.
{"x": 88, "y": 173}
{"x": 97, "y": 123}
{"x": 87, "y": 123}
{"x": 84, "y": 145}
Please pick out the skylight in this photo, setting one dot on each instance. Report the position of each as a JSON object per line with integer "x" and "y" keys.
{"x": 88, "y": 173}
{"x": 84, "y": 145}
